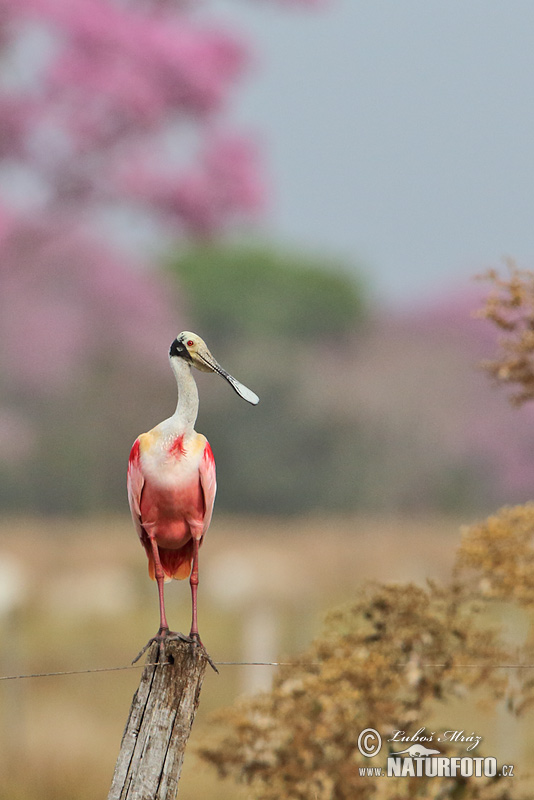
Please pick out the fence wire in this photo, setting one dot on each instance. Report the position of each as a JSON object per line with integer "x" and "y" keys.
{"x": 94, "y": 670}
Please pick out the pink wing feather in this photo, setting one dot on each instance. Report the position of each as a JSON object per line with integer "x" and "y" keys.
{"x": 135, "y": 485}
{"x": 208, "y": 482}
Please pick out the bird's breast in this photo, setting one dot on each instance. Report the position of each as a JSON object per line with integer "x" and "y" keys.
{"x": 171, "y": 460}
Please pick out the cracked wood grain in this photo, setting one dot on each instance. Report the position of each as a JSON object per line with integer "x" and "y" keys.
{"x": 159, "y": 723}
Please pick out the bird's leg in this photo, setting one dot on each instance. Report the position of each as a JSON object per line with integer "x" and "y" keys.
{"x": 163, "y": 632}
{"x": 193, "y": 581}
{"x": 160, "y": 580}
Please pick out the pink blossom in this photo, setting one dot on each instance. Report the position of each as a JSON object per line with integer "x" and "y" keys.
{"x": 490, "y": 436}
{"x": 222, "y": 183}
{"x": 117, "y": 78}
{"x": 64, "y": 299}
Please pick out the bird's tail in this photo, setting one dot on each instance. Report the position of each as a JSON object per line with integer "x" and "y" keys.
{"x": 176, "y": 563}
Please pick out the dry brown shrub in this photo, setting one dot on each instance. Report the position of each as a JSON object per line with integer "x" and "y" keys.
{"x": 496, "y": 560}
{"x": 510, "y": 306}
{"x": 496, "y": 556}
{"x": 386, "y": 661}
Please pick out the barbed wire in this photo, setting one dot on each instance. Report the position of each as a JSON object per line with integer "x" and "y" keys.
{"x": 63, "y": 673}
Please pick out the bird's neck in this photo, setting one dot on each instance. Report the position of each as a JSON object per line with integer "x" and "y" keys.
{"x": 185, "y": 416}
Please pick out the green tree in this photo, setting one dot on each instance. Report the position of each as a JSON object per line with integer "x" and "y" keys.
{"x": 263, "y": 293}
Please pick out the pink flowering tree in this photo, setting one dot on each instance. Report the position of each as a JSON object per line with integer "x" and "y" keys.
{"x": 432, "y": 431}
{"x": 111, "y": 123}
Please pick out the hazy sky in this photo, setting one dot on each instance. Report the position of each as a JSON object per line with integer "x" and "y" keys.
{"x": 399, "y": 134}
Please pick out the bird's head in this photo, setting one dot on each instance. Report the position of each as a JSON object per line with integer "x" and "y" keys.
{"x": 194, "y": 351}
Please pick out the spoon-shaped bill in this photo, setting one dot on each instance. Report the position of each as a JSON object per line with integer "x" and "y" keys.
{"x": 242, "y": 391}
{"x": 237, "y": 386}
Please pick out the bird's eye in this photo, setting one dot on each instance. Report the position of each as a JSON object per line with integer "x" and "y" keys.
{"x": 190, "y": 343}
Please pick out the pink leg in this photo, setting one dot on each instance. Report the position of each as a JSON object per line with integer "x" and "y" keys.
{"x": 194, "y": 586}
{"x": 160, "y": 578}
{"x": 193, "y": 580}
{"x": 164, "y": 632}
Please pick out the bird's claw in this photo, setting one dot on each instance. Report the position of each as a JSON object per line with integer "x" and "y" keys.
{"x": 164, "y": 635}
{"x": 194, "y": 638}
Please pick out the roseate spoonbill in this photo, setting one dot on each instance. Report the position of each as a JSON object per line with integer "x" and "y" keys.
{"x": 171, "y": 482}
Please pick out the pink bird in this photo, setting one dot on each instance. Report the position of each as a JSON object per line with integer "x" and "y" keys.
{"x": 171, "y": 482}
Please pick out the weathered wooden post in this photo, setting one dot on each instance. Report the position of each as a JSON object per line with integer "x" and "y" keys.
{"x": 159, "y": 724}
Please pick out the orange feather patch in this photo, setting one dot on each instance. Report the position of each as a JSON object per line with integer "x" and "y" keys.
{"x": 176, "y": 563}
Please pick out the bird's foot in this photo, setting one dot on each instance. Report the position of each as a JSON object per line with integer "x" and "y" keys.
{"x": 195, "y": 639}
{"x": 162, "y": 636}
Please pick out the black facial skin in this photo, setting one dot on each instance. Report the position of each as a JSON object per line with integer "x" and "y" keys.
{"x": 179, "y": 349}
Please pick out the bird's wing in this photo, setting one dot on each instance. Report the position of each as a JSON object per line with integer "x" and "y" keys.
{"x": 208, "y": 483}
{"x": 135, "y": 485}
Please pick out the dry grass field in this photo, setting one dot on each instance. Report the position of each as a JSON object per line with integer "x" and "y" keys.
{"x": 74, "y": 594}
